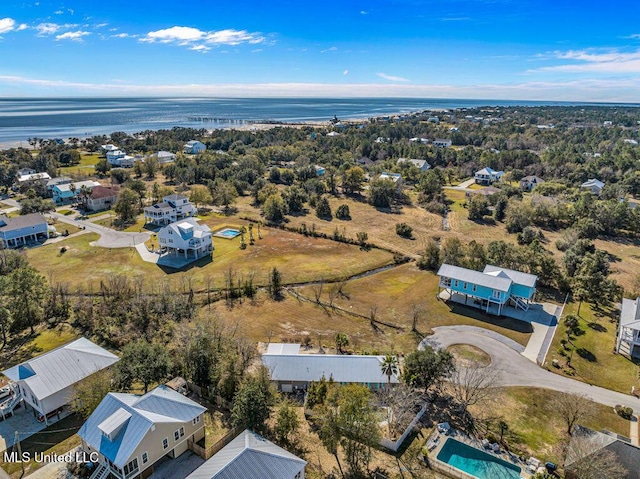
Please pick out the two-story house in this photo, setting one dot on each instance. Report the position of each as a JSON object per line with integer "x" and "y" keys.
{"x": 71, "y": 191}
{"x": 491, "y": 289}
{"x": 186, "y": 237}
{"x": 628, "y": 341}
{"x": 441, "y": 143}
{"x": 19, "y": 230}
{"x": 46, "y": 382}
{"x": 530, "y": 182}
{"x": 172, "y": 208}
{"x": 102, "y": 198}
{"x": 487, "y": 175}
{"x": 131, "y": 433}
{"x": 422, "y": 165}
{"x": 194, "y": 146}
{"x": 593, "y": 185}
{"x": 120, "y": 159}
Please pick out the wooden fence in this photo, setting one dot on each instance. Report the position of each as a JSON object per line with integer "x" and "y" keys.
{"x": 206, "y": 453}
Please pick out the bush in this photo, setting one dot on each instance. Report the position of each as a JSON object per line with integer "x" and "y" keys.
{"x": 323, "y": 210}
{"x": 624, "y": 412}
{"x": 404, "y": 230}
{"x": 342, "y": 213}
{"x": 529, "y": 234}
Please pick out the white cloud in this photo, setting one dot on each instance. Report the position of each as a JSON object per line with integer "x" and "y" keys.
{"x": 605, "y": 90}
{"x": 200, "y": 48}
{"x": 330, "y": 49}
{"x": 609, "y": 61}
{"x": 121, "y": 35}
{"x": 364, "y": 12}
{"x": 100, "y": 25}
{"x": 47, "y": 28}
{"x": 189, "y": 36}
{"x": 73, "y": 36}
{"x": 633, "y": 36}
{"x": 22, "y": 26}
{"x": 7, "y": 24}
{"x": 346, "y": 72}
{"x": 256, "y": 50}
{"x": 58, "y": 12}
{"x": 392, "y": 77}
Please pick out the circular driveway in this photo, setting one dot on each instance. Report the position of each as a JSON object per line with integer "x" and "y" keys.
{"x": 516, "y": 370}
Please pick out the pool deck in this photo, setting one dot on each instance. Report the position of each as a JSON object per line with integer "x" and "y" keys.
{"x": 441, "y": 438}
{"x": 221, "y": 233}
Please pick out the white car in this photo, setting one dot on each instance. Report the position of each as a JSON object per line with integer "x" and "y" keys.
{"x": 5, "y": 392}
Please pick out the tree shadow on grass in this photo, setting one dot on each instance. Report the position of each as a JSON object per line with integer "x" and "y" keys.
{"x": 586, "y": 354}
{"x": 597, "y": 327}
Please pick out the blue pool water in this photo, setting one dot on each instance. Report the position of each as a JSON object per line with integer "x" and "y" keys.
{"x": 229, "y": 233}
{"x": 476, "y": 462}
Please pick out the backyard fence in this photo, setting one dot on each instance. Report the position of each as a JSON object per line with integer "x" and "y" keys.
{"x": 206, "y": 453}
{"x": 394, "y": 446}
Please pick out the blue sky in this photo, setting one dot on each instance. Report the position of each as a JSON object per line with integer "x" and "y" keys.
{"x": 490, "y": 49}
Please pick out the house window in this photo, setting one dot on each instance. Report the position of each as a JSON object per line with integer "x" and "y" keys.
{"x": 145, "y": 457}
{"x": 298, "y": 476}
{"x": 474, "y": 288}
{"x": 196, "y": 420}
{"x": 131, "y": 467}
{"x": 182, "y": 432}
{"x": 496, "y": 294}
{"x": 464, "y": 286}
{"x": 165, "y": 443}
{"x": 455, "y": 283}
{"x": 176, "y": 435}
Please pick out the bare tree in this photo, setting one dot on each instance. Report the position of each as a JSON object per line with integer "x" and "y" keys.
{"x": 586, "y": 459}
{"x": 417, "y": 310}
{"x": 333, "y": 294}
{"x": 473, "y": 384}
{"x": 317, "y": 290}
{"x": 401, "y": 402}
{"x": 573, "y": 408}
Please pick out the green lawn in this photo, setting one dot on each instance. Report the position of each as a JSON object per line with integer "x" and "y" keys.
{"x": 298, "y": 258}
{"x": 85, "y": 167}
{"x": 24, "y": 347}
{"x": 593, "y": 358}
{"x": 457, "y": 199}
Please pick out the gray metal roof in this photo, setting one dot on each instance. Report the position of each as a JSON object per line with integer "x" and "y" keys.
{"x": 250, "y": 456}
{"x": 311, "y": 367}
{"x": 475, "y": 277}
{"x": 517, "y": 277}
{"x": 161, "y": 405}
{"x": 283, "y": 348}
{"x": 19, "y": 222}
{"x": 56, "y": 370}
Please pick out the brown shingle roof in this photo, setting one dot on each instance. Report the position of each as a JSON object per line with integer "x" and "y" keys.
{"x": 104, "y": 192}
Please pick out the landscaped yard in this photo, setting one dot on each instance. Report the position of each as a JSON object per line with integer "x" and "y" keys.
{"x": 593, "y": 359}
{"x": 297, "y": 257}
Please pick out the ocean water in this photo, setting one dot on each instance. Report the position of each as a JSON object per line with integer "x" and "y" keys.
{"x": 21, "y": 119}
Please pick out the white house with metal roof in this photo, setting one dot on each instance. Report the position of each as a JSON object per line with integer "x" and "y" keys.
{"x": 46, "y": 382}
{"x": 487, "y": 175}
{"x": 71, "y": 191}
{"x": 492, "y": 288}
{"x": 628, "y": 341}
{"x": 289, "y": 369}
{"x": 131, "y": 433}
{"x": 251, "y": 456}
{"x": 422, "y": 165}
{"x": 172, "y": 208}
{"x": 593, "y": 185}
{"x": 186, "y": 237}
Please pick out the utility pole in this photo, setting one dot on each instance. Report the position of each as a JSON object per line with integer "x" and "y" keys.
{"x": 20, "y": 453}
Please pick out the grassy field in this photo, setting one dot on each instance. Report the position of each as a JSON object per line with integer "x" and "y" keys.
{"x": 593, "y": 359}
{"x": 466, "y": 355}
{"x": 298, "y": 258}
{"x": 86, "y": 166}
{"x": 58, "y": 438}
{"x": 24, "y": 347}
{"x": 534, "y": 426}
{"x": 394, "y": 293}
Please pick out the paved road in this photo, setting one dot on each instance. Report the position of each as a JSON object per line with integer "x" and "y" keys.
{"x": 516, "y": 370}
{"x": 108, "y": 238}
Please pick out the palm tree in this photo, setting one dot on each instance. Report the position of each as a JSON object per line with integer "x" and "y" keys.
{"x": 390, "y": 366}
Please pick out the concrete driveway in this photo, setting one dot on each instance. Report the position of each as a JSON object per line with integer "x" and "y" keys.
{"x": 516, "y": 370}
{"x": 22, "y": 421}
{"x": 109, "y": 238}
{"x": 177, "y": 468}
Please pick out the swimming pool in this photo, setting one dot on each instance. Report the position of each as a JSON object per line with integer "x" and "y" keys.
{"x": 228, "y": 233}
{"x": 476, "y": 462}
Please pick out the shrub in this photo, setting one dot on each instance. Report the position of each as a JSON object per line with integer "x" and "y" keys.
{"x": 624, "y": 412}
{"x": 404, "y": 230}
{"x": 342, "y": 213}
{"x": 323, "y": 210}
